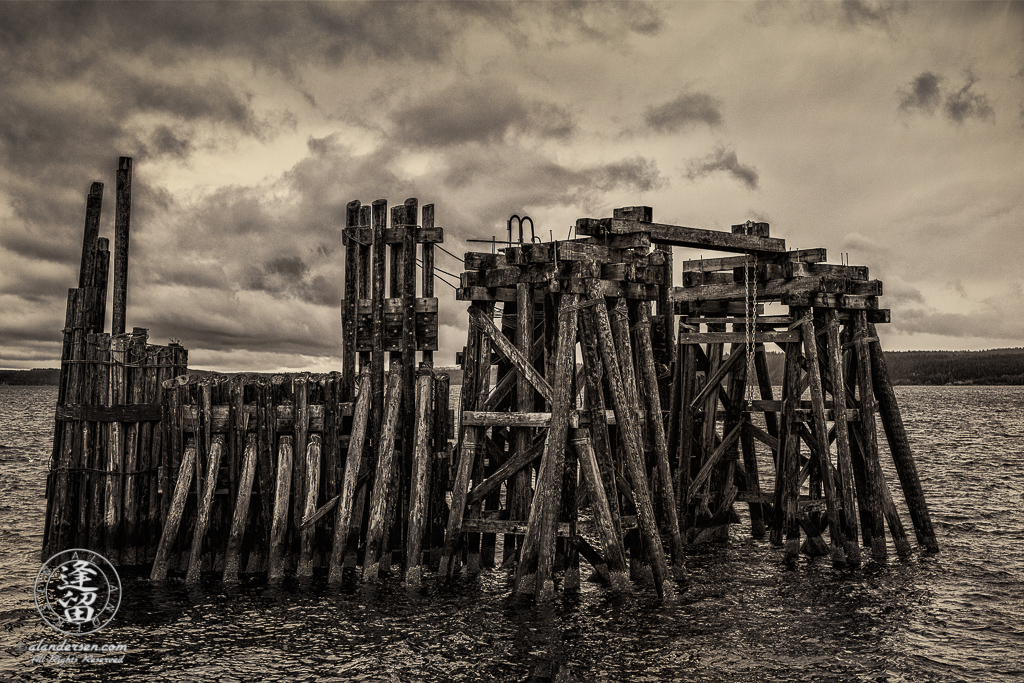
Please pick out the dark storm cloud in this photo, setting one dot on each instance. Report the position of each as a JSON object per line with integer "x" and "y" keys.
{"x": 965, "y": 104}
{"x": 281, "y": 36}
{"x": 723, "y": 160}
{"x": 522, "y": 178}
{"x": 845, "y": 15}
{"x": 477, "y": 112}
{"x": 923, "y": 93}
{"x": 863, "y": 13}
{"x": 684, "y": 110}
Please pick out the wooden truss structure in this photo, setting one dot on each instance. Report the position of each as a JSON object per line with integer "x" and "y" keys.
{"x": 630, "y": 417}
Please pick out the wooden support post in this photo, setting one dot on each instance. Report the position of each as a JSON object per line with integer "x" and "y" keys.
{"x": 101, "y": 273}
{"x": 170, "y": 531}
{"x": 899, "y": 446}
{"x": 419, "y": 491}
{"x": 607, "y": 529}
{"x": 869, "y": 434}
{"x": 122, "y": 226}
{"x": 468, "y": 442}
{"x": 279, "y": 527}
{"x": 93, "y": 205}
{"x": 380, "y": 217}
{"x": 427, "y": 287}
{"x": 266, "y": 430}
{"x": 383, "y": 493}
{"x": 241, "y": 513}
{"x": 787, "y": 477}
{"x": 684, "y": 466}
{"x": 441, "y": 462}
{"x": 846, "y": 477}
{"x": 645, "y": 354}
{"x": 115, "y": 450}
{"x": 203, "y": 519}
{"x": 312, "y": 490}
{"x": 481, "y": 378}
{"x": 518, "y": 489}
{"x": 594, "y": 403}
{"x": 408, "y": 410}
{"x": 134, "y": 387}
{"x": 821, "y": 451}
{"x": 353, "y": 463}
{"x": 626, "y": 418}
{"x": 300, "y": 410}
{"x": 549, "y": 490}
{"x": 709, "y": 435}
{"x": 349, "y": 303}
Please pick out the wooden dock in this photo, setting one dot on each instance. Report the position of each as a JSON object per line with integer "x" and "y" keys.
{"x": 605, "y": 414}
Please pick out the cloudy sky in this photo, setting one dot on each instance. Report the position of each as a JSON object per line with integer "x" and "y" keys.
{"x": 892, "y": 131}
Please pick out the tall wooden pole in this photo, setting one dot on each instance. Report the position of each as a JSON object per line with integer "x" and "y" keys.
{"x": 93, "y": 204}
{"x": 122, "y": 226}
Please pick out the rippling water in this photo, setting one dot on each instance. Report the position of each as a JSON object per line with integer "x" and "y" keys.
{"x": 745, "y": 617}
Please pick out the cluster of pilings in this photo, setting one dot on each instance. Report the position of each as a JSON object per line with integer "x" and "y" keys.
{"x": 604, "y": 414}
{"x": 103, "y": 490}
{"x": 606, "y": 436}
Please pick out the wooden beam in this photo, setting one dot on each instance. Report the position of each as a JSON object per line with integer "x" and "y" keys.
{"x": 681, "y": 236}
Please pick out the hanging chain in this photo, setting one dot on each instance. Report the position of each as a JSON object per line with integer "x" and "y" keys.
{"x": 750, "y": 312}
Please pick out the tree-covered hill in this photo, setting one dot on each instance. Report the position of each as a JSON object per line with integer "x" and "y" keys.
{"x": 997, "y": 366}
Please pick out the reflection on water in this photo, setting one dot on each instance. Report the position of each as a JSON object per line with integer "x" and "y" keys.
{"x": 744, "y": 617}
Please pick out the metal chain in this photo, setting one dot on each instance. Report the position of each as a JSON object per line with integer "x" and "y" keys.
{"x": 750, "y": 301}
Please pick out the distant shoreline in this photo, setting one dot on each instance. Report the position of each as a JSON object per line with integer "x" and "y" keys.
{"x": 995, "y": 367}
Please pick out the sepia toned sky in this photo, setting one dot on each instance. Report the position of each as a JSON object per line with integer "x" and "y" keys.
{"x": 891, "y": 131}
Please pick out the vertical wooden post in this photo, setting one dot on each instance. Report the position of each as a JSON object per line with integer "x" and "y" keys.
{"x": 686, "y": 380}
{"x": 348, "y": 305}
{"x": 899, "y": 446}
{"x": 241, "y": 513}
{"x": 353, "y": 463}
{"x": 93, "y": 204}
{"x": 380, "y": 217}
{"x": 600, "y": 438}
{"x": 467, "y": 448}
{"x": 787, "y": 477}
{"x": 300, "y": 408}
{"x": 441, "y": 461}
{"x": 869, "y": 433}
{"x": 279, "y": 526}
{"x": 839, "y": 541}
{"x": 563, "y": 404}
{"x": 176, "y": 508}
{"x": 122, "y": 226}
{"x": 518, "y": 488}
{"x": 626, "y": 418}
{"x": 419, "y": 490}
{"x": 100, "y": 274}
{"x": 312, "y": 490}
{"x": 645, "y": 354}
{"x": 134, "y": 390}
{"x": 115, "y": 453}
{"x": 203, "y": 520}
{"x": 428, "y": 272}
{"x": 835, "y": 364}
{"x": 365, "y": 268}
{"x": 382, "y": 497}
{"x": 408, "y": 410}
{"x": 607, "y": 529}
